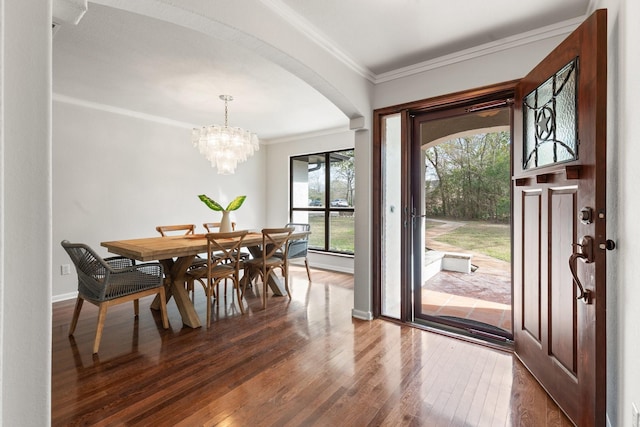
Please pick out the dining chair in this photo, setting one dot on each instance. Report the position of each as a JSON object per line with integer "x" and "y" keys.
{"x": 274, "y": 242}
{"x": 186, "y": 230}
{"x": 172, "y": 230}
{"x": 213, "y": 227}
{"x": 110, "y": 281}
{"x": 298, "y": 248}
{"x": 225, "y": 264}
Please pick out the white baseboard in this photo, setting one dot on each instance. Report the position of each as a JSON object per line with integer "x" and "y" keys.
{"x": 64, "y": 297}
{"x": 362, "y": 315}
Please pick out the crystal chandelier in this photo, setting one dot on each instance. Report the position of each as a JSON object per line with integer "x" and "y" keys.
{"x": 225, "y": 146}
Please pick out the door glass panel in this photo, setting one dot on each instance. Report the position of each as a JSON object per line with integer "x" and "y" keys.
{"x": 549, "y": 112}
{"x": 391, "y": 216}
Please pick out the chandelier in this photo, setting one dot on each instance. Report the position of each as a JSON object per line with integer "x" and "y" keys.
{"x": 225, "y": 146}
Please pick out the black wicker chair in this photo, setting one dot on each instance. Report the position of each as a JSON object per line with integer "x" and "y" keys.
{"x": 110, "y": 281}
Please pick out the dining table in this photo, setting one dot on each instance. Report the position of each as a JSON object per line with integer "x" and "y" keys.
{"x": 176, "y": 254}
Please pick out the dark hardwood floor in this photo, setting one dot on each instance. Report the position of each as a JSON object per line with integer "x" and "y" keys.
{"x": 299, "y": 362}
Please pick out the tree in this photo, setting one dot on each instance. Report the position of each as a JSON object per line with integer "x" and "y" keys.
{"x": 343, "y": 176}
{"x": 473, "y": 177}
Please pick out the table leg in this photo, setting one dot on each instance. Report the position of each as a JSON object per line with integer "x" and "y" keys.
{"x": 276, "y": 284}
{"x": 177, "y": 271}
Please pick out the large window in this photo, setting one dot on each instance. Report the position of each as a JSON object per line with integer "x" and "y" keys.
{"x": 322, "y": 194}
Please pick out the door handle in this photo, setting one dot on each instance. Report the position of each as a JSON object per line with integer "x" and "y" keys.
{"x": 585, "y": 253}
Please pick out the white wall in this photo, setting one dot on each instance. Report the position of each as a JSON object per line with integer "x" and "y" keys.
{"x": 278, "y": 155}
{"x": 623, "y": 297}
{"x": 629, "y": 230}
{"x": 25, "y": 213}
{"x": 118, "y": 177}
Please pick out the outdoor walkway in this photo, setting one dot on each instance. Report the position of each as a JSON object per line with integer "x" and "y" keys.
{"x": 484, "y": 295}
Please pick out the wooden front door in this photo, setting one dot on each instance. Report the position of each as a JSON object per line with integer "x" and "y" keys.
{"x": 560, "y": 212}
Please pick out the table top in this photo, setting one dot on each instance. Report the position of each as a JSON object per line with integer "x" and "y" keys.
{"x": 157, "y": 248}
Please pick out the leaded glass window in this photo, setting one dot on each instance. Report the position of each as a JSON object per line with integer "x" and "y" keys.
{"x": 550, "y": 127}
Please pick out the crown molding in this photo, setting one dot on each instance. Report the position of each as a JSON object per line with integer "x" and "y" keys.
{"x": 559, "y": 29}
{"x": 316, "y": 36}
{"x": 307, "y": 135}
{"x": 121, "y": 111}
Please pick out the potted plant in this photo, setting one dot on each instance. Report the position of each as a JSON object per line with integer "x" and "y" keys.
{"x": 225, "y": 222}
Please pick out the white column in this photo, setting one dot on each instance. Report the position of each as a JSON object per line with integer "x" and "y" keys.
{"x": 362, "y": 287}
{"x": 25, "y": 212}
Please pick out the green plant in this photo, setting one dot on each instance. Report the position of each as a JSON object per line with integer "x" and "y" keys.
{"x": 212, "y": 204}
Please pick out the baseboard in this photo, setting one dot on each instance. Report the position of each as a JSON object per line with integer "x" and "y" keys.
{"x": 362, "y": 315}
{"x": 64, "y": 297}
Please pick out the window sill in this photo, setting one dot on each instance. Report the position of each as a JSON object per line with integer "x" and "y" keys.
{"x": 337, "y": 254}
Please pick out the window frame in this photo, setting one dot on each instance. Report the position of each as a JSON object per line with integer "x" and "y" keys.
{"x": 327, "y": 208}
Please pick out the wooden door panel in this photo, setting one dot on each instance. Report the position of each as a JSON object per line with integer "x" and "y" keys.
{"x": 531, "y": 304}
{"x": 562, "y": 302}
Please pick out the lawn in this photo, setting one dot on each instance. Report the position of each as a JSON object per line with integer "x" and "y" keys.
{"x": 342, "y": 232}
{"x": 482, "y": 237}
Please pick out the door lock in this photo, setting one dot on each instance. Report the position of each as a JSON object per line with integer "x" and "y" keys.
{"x": 586, "y": 215}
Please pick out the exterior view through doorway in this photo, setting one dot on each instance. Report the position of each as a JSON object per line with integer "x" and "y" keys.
{"x": 444, "y": 217}
{"x": 462, "y": 214}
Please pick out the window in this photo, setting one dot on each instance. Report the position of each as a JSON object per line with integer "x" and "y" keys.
{"x": 323, "y": 196}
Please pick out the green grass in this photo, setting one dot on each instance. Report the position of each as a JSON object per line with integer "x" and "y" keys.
{"x": 486, "y": 238}
{"x": 342, "y": 232}
{"x": 483, "y": 237}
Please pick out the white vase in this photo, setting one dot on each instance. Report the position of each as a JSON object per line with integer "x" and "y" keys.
{"x": 225, "y": 223}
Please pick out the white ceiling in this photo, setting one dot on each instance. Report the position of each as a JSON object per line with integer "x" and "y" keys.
{"x": 127, "y": 61}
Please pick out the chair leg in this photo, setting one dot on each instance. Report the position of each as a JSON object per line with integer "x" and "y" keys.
{"x": 76, "y": 314}
{"x": 102, "y": 314}
{"x": 191, "y": 288}
{"x": 306, "y": 264}
{"x": 237, "y": 286}
{"x": 218, "y": 298}
{"x": 285, "y": 273}
{"x": 264, "y": 287}
{"x": 245, "y": 280}
{"x": 163, "y": 307}
{"x": 209, "y": 291}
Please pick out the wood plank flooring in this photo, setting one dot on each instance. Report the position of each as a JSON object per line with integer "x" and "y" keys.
{"x": 302, "y": 362}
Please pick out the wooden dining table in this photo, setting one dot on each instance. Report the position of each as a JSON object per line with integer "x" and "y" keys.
{"x": 176, "y": 253}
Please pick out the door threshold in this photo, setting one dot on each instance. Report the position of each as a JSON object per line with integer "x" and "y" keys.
{"x": 471, "y": 335}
